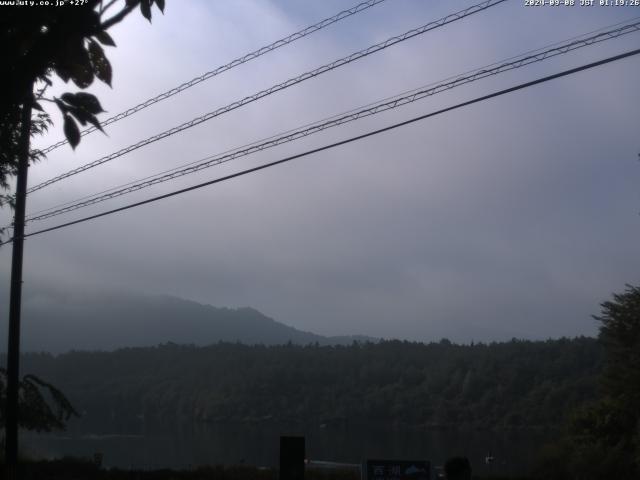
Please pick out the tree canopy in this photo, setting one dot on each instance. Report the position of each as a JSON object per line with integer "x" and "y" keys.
{"x": 603, "y": 437}
{"x": 41, "y": 42}
{"x": 620, "y": 334}
{"x": 517, "y": 384}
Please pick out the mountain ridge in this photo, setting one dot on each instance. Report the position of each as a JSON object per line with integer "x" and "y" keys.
{"x": 58, "y": 323}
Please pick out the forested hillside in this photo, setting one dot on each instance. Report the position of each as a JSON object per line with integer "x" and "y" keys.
{"x": 512, "y": 384}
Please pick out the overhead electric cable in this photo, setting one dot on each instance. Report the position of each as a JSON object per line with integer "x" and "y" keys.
{"x": 276, "y": 88}
{"x": 339, "y": 143}
{"x": 310, "y": 129}
{"x": 234, "y": 63}
{"x": 528, "y": 52}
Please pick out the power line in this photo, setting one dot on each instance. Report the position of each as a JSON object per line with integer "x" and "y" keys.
{"x": 341, "y": 142}
{"x": 372, "y": 109}
{"x": 519, "y": 56}
{"x": 485, "y": 67}
{"x": 276, "y": 88}
{"x": 234, "y": 63}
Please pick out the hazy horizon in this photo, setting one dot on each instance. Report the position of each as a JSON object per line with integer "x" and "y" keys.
{"x": 126, "y": 319}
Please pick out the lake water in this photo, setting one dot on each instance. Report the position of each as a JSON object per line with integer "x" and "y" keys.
{"x": 188, "y": 445}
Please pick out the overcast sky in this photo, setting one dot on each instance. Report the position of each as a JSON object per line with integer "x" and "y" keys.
{"x": 515, "y": 217}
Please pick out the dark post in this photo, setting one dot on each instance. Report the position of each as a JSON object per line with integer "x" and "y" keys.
{"x": 13, "y": 351}
{"x": 292, "y": 453}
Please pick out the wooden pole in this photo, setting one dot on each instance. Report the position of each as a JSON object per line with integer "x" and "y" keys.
{"x": 15, "y": 301}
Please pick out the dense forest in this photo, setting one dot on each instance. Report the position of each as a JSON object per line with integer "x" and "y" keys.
{"x": 514, "y": 384}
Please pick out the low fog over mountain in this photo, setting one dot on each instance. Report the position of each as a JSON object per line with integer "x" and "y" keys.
{"x": 56, "y": 322}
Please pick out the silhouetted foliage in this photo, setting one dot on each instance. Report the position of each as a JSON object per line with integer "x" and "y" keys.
{"x": 42, "y": 406}
{"x": 620, "y": 335}
{"x": 603, "y": 437}
{"x": 42, "y": 41}
{"x": 39, "y": 42}
{"x": 79, "y": 469}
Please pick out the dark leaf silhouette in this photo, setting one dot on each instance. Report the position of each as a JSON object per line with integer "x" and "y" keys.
{"x": 101, "y": 66}
{"x": 78, "y": 62}
{"x": 145, "y": 8}
{"x": 95, "y": 122}
{"x": 71, "y": 131}
{"x": 86, "y": 101}
{"x": 104, "y": 38}
{"x": 80, "y": 115}
{"x": 63, "y": 73}
{"x": 83, "y": 117}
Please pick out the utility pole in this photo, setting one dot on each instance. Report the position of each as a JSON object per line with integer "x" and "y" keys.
{"x": 15, "y": 301}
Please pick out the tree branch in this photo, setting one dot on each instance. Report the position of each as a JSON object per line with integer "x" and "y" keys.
{"x": 117, "y": 18}
{"x": 107, "y": 6}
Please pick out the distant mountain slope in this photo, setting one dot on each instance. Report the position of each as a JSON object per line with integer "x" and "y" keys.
{"x": 58, "y": 323}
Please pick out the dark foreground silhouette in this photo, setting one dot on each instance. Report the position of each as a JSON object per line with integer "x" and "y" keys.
{"x": 77, "y": 469}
